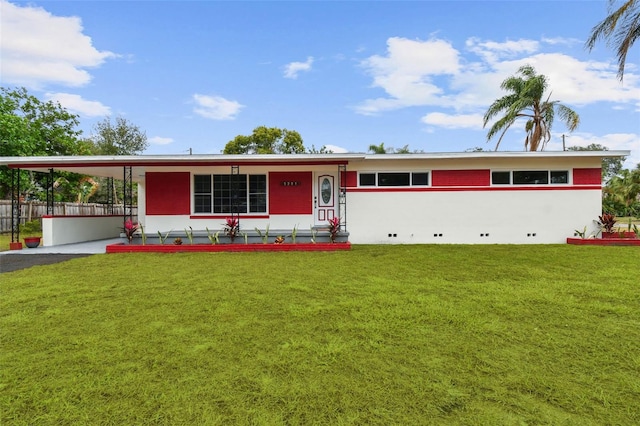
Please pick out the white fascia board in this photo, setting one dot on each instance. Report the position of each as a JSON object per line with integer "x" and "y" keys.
{"x": 141, "y": 160}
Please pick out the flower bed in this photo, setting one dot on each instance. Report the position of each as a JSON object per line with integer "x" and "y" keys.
{"x": 174, "y": 248}
{"x": 610, "y": 241}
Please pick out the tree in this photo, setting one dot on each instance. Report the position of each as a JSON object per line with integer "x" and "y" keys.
{"x": 378, "y": 149}
{"x": 621, "y": 193}
{"x": 610, "y": 166}
{"x": 31, "y": 127}
{"x": 620, "y": 29}
{"x": 526, "y": 101}
{"x": 323, "y": 150}
{"x": 266, "y": 140}
{"x": 121, "y": 138}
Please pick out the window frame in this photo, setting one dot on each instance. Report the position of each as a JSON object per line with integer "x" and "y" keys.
{"x": 247, "y": 206}
{"x": 411, "y": 178}
{"x": 549, "y": 177}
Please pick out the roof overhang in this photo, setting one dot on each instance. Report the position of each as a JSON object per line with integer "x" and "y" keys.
{"x": 113, "y": 166}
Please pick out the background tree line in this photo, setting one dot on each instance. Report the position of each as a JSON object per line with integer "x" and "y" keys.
{"x": 31, "y": 127}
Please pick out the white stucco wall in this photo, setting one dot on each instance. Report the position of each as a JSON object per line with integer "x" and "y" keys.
{"x": 475, "y": 217}
{"x": 59, "y": 230}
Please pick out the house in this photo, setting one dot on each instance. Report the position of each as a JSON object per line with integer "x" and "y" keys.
{"x": 430, "y": 198}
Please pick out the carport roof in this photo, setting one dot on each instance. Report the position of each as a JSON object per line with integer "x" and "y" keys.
{"x": 112, "y": 166}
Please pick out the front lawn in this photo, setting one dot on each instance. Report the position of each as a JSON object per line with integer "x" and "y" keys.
{"x": 382, "y": 335}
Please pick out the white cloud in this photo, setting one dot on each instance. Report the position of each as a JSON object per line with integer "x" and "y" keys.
{"x": 562, "y": 41}
{"x": 216, "y": 107}
{"x": 292, "y": 69}
{"x": 158, "y": 140}
{"x": 450, "y": 121}
{"x": 336, "y": 149}
{"x": 38, "y": 48}
{"x": 434, "y": 75}
{"x": 613, "y": 141}
{"x": 492, "y": 51}
{"x": 77, "y": 105}
{"x": 406, "y": 73}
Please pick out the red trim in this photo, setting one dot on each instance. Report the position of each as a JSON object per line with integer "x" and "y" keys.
{"x": 481, "y": 177}
{"x": 476, "y": 189}
{"x": 181, "y": 163}
{"x": 229, "y": 215}
{"x": 349, "y": 179}
{"x": 51, "y": 216}
{"x": 167, "y": 193}
{"x": 603, "y": 242}
{"x": 587, "y": 176}
{"x": 290, "y": 199}
{"x": 172, "y": 248}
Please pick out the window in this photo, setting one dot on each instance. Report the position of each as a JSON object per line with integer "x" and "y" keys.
{"x": 367, "y": 179}
{"x": 420, "y": 179}
{"x": 530, "y": 177}
{"x": 257, "y": 193}
{"x": 501, "y": 178}
{"x": 394, "y": 179}
{"x": 202, "y": 193}
{"x": 559, "y": 176}
{"x": 229, "y": 193}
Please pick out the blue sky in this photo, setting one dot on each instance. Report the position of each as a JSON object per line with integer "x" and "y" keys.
{"x": 345, "y": 74}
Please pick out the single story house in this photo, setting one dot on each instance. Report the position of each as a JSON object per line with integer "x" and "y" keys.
{"x": 426, "y": 198}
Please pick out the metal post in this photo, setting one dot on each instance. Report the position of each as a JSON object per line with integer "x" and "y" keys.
{"x": 235, "y": 181}
{"x": 342, "y": 196}
{"x": 50, "y": 182}
{"x": 110, "y": 194}
{"x": 15, "y": 205}
{"x": 128, "y": 193}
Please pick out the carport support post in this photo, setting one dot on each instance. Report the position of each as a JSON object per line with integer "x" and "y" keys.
{"x": 110, "y": 195}
{"x": 50, "y": 183}
{"x": 128, "y": 194}
{"x": 342, "y": 196}
{"x": 15, "y": 207}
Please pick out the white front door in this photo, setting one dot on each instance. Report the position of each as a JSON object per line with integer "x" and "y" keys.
{"x": 324, "y": 202}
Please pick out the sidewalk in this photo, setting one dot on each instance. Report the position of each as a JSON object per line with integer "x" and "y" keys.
{"x": 14, "y": 260}
{"x": 89, "y": 247}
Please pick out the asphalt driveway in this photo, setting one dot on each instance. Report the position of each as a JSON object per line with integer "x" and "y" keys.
{"x": 15, "y": 262}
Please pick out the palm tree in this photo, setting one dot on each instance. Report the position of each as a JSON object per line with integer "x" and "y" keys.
{"x": 620, "y": 30}
{"x": 525, "y": 101}
{"x": 378, "y": 149}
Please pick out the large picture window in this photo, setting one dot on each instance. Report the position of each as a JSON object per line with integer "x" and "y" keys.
{"x": 229, "y": 193}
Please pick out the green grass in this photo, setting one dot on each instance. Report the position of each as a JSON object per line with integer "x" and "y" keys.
{"x": 382, "y": 335}
{"x": 5, "y": 239}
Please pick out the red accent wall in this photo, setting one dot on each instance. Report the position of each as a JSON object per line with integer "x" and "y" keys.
{"x": 587, "y": 177}
{"x": 350, "y": 179}
{"x": 168, "y": 193}
{"x": 460, "y": 178}
{"x": 290, "y": 199}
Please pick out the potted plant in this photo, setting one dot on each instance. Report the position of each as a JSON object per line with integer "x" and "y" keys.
{"x": 129, "y": 229}
{"x": 32, "y": 231}
{"x": 232, "y": 228}
{"x": 334, "y": 228}
{"x": 607, "y": 221}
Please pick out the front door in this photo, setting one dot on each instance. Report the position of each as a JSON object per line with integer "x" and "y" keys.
{"x": 324, "y": 202}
